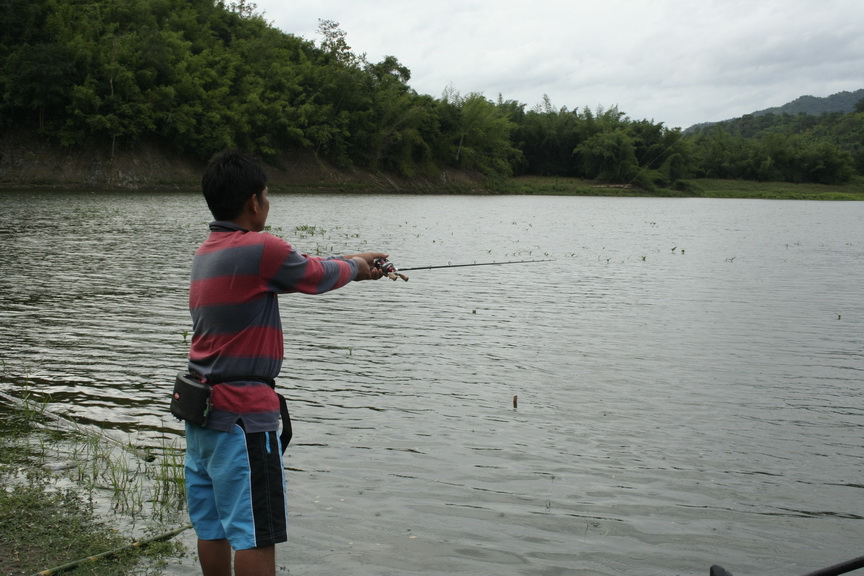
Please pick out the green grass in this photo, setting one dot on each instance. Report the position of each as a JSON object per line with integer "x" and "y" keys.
{"x": 781, "y": 190}
{"x": 539, "y": 185}
{"x": 42, "y": 527}
{"x": 49, "y": 518}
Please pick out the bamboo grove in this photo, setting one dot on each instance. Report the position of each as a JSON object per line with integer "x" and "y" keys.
{"x": 196, "y": 76}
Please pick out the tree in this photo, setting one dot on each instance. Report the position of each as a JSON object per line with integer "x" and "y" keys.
{"x": 242, "y": 7}
{"x": 609, "y": 156}
{"x": 200, "y": 76}
{"x": 335, "y": 45}
{"x": 392, "y": 135}
{"x": 38, "y": 78}
{"x": 20, "y": 24}
{"x": 481, "y": 136}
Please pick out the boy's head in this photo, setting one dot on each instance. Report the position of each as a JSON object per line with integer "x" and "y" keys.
{"x": 230, "y": 179}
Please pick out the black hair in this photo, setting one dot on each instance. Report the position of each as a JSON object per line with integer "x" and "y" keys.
{"x": 230, "y": 179}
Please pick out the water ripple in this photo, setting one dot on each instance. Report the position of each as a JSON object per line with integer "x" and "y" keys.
{"x": 676, "y": 408}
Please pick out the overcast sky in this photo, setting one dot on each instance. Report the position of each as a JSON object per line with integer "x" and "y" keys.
{"x": 679, "y": 62}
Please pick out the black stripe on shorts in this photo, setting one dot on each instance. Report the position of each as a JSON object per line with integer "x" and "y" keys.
{"x": 268, "y": 488}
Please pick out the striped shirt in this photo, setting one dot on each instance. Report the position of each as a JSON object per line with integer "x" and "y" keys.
{"x": 237, "y": 338}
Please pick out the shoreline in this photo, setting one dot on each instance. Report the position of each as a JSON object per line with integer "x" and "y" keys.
{"x": 30, "y": 163}
{"x": 519, "y": 186}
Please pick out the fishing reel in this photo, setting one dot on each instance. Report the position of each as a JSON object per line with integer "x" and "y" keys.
{"x": 389, "y": 269}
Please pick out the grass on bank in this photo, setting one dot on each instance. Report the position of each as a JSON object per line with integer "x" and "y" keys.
{"x": 559, "y": 186}
{"x": 50, "y": 519}
{"x": 541, "y": 185}
{"x": 43, "y": 526}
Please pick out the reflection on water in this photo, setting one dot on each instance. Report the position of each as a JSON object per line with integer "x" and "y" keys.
{"x": 688, "y": 371}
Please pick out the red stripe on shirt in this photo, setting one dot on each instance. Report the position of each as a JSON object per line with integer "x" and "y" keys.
{"x": 245, "y": 399}
{"x": 253, "y": 342}
{"x": 223, "y": 290}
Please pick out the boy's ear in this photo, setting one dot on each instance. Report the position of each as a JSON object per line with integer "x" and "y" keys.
{"x": 252, "y": 204}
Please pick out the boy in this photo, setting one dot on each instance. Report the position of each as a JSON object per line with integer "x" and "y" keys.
{"x": 235, "y": 482}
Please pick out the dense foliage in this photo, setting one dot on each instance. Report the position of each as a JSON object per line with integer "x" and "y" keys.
{"x": 199, "y": 76}
{"x": 826, "y": 149}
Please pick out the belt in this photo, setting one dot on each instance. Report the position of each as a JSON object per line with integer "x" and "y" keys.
{"x": 287, "y": 431}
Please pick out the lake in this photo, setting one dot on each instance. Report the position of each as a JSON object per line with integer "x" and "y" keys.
{"x": 689, "y": 373}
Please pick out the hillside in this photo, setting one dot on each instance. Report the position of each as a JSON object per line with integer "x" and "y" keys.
{"x": 812, "y": 105}
{"x": 840, "y": 102}
{"x": 137, "y": 95}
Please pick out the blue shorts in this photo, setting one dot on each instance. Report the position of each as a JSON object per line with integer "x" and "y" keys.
{"x": 235, "y": 486}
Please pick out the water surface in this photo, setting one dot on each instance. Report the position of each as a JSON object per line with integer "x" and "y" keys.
{"x": 688, "y": 373}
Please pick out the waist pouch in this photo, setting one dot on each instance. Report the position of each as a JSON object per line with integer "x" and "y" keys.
{"x": 191, "y": 402}
{"x": 191, "y": 399}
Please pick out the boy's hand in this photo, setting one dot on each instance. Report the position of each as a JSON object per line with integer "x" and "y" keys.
{"x": 365, "y": 268}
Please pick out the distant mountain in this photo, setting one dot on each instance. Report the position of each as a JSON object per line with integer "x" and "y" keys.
{"x": 813, "y": 105}
{"x": 839, "y": 102}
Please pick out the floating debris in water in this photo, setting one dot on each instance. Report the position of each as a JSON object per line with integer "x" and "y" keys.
{"x": 58, "y": 466}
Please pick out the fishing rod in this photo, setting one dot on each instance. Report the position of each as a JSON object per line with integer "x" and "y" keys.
{"x": 393, "y": 272}
{"x": 115, "y": 552}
